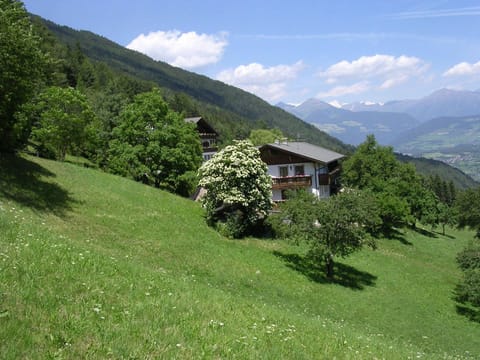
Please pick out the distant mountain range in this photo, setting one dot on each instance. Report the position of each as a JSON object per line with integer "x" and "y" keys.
{"x": 444, "y": 102}
{"x": 352, "y": 122}
{"x": 444, "y": 125}
{"x": 352, "y": 126}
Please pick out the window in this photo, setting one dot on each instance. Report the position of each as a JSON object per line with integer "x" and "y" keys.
{"x": 323, "y": 179}
{"x": 299, "y": 170}
{"x": 283, "y": 171}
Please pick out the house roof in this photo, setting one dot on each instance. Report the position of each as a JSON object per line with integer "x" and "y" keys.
{"x": 193, "y": 119}
{"x": 306, "y": 150}
{"x": 201, "y": 124}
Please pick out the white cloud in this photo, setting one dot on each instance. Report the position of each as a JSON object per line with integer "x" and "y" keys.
{"x": 270, "y": 83}
{"x": 376, "y": 72}
{"x": 356, "y": 88}
{"x": 394, "y": 81}
{"x": 466, "y": 11}
{"x": 186, "y": 50}
{"x": 376, "y": 66}
{"x": 463, "y": 69}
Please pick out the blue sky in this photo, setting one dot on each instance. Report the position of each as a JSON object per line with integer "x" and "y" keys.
{"x": 337, "y": 51}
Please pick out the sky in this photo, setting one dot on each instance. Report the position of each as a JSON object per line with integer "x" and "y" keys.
{"x": 335, "y": 50}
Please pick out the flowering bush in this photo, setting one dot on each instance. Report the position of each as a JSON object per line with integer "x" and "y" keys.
{"x": 239, "y": 190}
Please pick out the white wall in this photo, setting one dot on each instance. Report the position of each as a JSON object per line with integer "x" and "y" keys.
{"x": 274, "y": 170}
{"x": 309, "y": 168}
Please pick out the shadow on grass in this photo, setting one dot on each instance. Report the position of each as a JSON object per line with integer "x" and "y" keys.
{"x": 469, "y": 312}
{"x": 344, "y": 275}
{"x": 424, "y": 232}
{"x": 445, "y": 235}
{"x": 395, "y": 234}
{"x": 25, "y": 182}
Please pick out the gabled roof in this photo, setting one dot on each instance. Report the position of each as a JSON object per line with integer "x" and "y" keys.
{"x": 201, "y": 124}
{"x": 193, "y": 119}
{"x": 303, "y": 149}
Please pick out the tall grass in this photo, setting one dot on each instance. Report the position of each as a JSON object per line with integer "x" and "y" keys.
{"x": 96, "y": 266}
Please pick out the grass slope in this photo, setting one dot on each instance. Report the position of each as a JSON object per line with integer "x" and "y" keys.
{"x": 97, "y": 266}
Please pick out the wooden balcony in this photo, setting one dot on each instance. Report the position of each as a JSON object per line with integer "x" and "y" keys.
{"x": 291, "y": 182}
{"x": 208, "y": 149}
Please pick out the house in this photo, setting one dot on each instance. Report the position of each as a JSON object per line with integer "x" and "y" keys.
{"x": 300, "y": 165}
{"x": 208, "y": 136}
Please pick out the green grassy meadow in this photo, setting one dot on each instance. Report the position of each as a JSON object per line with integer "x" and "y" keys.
{"x": 97, "y": 266}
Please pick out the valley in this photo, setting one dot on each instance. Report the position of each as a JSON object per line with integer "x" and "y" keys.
{"x": 443, "y": 126}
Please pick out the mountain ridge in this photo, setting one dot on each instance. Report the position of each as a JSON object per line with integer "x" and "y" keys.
{"x": 224, "y": 105}
{"x": 353, "y": 126}
{"x": 246, "y": 108}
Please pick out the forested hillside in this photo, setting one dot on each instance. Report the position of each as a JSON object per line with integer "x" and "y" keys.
{"x": 232, "y": 111}
{"x": 431, "y": 167}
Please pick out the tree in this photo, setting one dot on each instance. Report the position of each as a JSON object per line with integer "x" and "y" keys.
{"x": 21, "y": 64}
{"x": 63, "y": 118}
{"x": 155, "y": 145}
{"x": 468, "y": 291}
{"x": 467, "y": 206}
{"x": 370, "y": 165}
{"x": 334, "y": 227}
{"x": 264, "y": 136}
{"x": 399, "y": 190}
{"x": 445, "y": 216}
{"x": 239, "y": 190}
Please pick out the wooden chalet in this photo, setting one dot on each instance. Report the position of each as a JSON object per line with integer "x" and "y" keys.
{"x": 208, "y": 136}
{"x": 300, "y": 165}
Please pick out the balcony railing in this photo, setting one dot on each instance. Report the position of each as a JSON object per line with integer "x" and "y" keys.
{"x": 291, "y": 182}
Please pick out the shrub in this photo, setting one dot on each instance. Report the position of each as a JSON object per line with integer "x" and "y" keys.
{"x": 469, "y": 258}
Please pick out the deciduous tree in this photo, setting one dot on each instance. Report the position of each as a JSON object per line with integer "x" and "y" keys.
{"x": 155, "y": 145}
{"x": 467, "y": 206}
{"x": 63, "y": 122}
{"x": 21, "y": 71}
{"x": 333, "y": 227}
{"x": 264, "y": 136}
{"x": 239, "y": 190}
{"x": 399, "y": 190}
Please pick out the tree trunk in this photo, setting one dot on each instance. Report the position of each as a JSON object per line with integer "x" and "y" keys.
{"x": 329, "y": 266}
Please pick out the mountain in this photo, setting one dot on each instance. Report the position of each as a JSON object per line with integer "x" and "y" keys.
{"x": 220, "y": 103}
{"x": 431, "y": 167}
{"x": 454, "y": 140}
{"x": 288, "y": 108}
{"x": 232, "y": 111}
{"x": 362, "y": 106}
{"x": 443, "y": 102}
{"x": 353, "y": 126}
